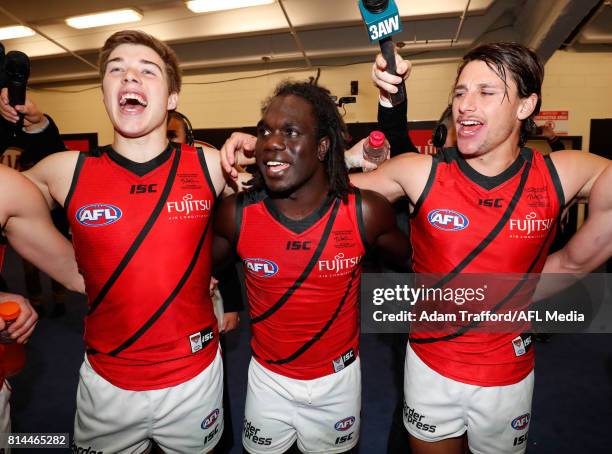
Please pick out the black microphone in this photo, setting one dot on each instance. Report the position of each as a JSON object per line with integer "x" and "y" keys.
{"x": 2, "y": 72}
{"x": 17, "y": 74}
{"x": 382, "y": 20}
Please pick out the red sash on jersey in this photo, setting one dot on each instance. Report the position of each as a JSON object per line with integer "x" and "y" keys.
{"x": 493, "y": 225}
{"x": 143, "y": 245}
{"x": 302, "y": 280}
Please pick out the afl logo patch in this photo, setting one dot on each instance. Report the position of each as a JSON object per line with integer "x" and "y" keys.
{"x": 98, "y": 214}
{"x": 521, "y": 422}
{"x": 448, "y": 220}
{"x": 210, "y": 419}
{"x": 261, "y": 267}
{"x": 345, "y": 424}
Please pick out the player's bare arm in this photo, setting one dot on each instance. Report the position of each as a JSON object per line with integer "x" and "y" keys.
{"x": 28, "y": 227}
{"x": 578, "y": 171}
{"x": 403, "y": 175}
{"x": 53, "y": 176}
{"x": 381, "y": 229}
{"x": 224, "y": 227}
{"x": 592, "y": 244}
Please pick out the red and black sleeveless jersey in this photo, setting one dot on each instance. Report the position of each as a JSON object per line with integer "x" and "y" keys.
{"x": 142, "y": 238}
{"x": 465, "y": 222}
{"x": 302, "y": 280}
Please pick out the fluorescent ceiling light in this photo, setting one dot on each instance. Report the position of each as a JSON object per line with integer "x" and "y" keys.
{"x": 16, "y": 31}
{"x": 206, "y": 6}
{"x": 120, "y": 16}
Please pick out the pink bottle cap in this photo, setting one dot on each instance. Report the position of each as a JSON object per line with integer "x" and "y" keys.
{"x": 376, "y": 139}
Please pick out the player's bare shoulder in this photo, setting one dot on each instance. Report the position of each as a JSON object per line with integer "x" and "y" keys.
{"x": 16, "y": 193}
{"x": 411, "y": 171}
{"x": 577, "y": 171}
{"x": 53, "y": 175}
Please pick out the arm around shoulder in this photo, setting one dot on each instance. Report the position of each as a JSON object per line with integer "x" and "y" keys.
{"x": 381, "y": 230}
{"x": 403, "y": 175}
{"x": 224, "y": 226}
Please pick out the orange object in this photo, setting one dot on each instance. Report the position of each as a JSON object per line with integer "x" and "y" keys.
{"x": 12, "y": 355}
{"x": 9, "y": 310}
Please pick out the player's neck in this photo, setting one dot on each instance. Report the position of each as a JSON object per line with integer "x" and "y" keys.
{"x": 495, "y": 161}
{"x": 141, "y": 149}
{"x": 304, "y": 200}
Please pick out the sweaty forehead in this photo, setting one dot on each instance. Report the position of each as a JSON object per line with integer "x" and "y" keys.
{"x": 290, "y": 109}
{"x": 479, "y": 72}
{"x": 135, "y": 51}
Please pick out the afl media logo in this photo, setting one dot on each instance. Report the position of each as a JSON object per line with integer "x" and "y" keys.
{"x": 261, "y": 267}
{"x": 448, "y": 220}
{"x": 98, "y": 215}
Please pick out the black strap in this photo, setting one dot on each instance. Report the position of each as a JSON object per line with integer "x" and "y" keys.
{"x": 141, "y": 236}
{"x": 168, "y": 300}
{"x": 323, "y": 330}
{"x": 313, "y": 260}
{"x": 204, "y": 166}
{"x": 75, "y": 178}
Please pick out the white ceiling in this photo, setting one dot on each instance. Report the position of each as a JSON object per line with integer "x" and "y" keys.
{"x": 329, "y": 30}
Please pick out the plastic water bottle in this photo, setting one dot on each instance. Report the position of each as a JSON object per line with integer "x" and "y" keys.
{"x": 376, "y": 148}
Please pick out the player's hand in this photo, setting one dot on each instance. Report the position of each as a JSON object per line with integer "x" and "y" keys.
{"x": 230, "y": 321}
{"x": 548, "y": 132}
{"x": 387, "y": 83}
{"x": 22, "y": 328}
{"x": 353, "y": 157}
{"x": 213, "y": 285}
{"x": 237, "y": 150}
{"x": 32, "y": 115}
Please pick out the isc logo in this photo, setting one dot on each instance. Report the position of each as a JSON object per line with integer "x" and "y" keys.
{"x": 345, "y": 424}
{"x": 98, "y": 214}
{"x": 261, "y": 267}
{"x": 447, "y": 220}
{"x": 210, "y": 419}
{"x": 521, "y": 422}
